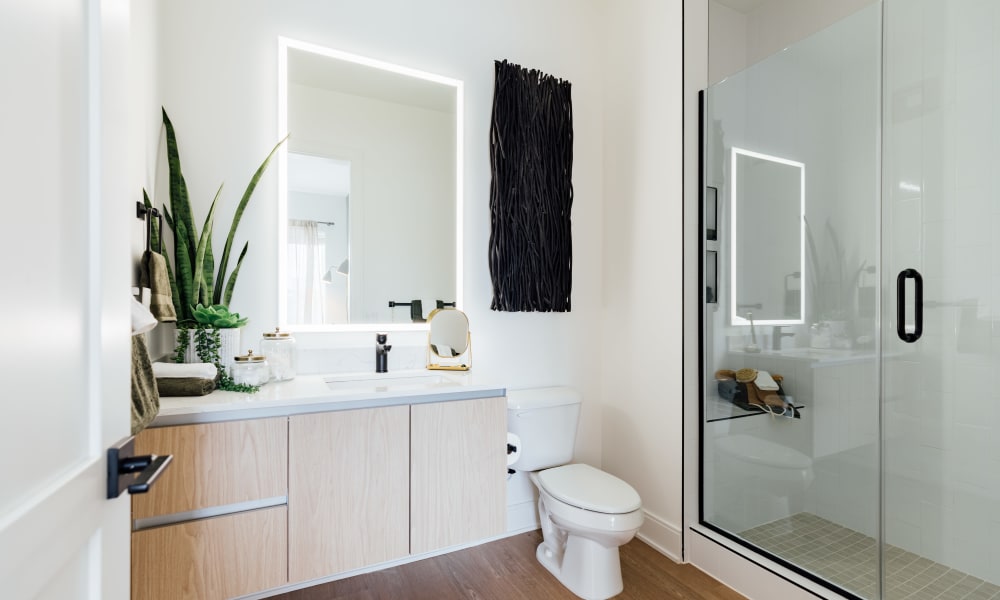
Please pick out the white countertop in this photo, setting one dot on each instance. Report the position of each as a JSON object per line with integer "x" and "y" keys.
{"x": 313, "y": 393}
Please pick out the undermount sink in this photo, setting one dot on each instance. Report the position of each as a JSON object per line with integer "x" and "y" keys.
{"x": 383, "y": 382}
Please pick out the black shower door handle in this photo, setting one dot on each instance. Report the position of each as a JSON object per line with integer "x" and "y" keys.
{"x": 918, "y": 305}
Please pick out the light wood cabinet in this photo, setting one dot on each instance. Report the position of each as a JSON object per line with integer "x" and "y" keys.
{"x": 458, "y": 472}
{"x": 211, "y": 559}
{"x": 214, "y": 464}
{"x": 348, "y": 490}
{"x": 252, "y": 505}
{"x": 219, "y": 469}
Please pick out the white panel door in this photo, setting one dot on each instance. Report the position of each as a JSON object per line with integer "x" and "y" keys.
{"x": 64, "y": 275}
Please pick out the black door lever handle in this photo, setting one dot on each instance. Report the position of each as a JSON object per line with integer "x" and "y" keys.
{"x": 126, "y": 471}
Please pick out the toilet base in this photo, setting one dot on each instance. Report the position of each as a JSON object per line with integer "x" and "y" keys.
{"x": 588, "y": 569}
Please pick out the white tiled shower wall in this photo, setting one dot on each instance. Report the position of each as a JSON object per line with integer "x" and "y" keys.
{"x": 942, "y": 407}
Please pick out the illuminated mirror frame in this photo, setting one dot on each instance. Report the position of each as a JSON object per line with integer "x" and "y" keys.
{"x": 736, "y": 319}
{"x": 284, "y": 45}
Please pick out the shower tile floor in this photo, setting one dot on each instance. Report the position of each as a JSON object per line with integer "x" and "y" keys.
{"x": 848, "y": 559}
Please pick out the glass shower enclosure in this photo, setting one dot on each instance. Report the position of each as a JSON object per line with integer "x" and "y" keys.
{"x": 851, "y": 294}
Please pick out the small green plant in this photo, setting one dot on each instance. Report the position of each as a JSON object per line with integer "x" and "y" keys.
{"x": 207, "y": 342}
{"x": 218, "y": 316}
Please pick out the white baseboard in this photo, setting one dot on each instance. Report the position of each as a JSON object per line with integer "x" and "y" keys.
{"x": 522, "y": 517}
{"x": 662, "y": 536}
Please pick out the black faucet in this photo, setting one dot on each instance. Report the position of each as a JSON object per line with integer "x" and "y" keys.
{"x": 382, "y": 352}
{"x": 776, "y": 335}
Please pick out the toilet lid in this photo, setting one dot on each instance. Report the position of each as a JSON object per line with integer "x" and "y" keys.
{"x": 588, "y": 488}
{"x": 756, "y": 450}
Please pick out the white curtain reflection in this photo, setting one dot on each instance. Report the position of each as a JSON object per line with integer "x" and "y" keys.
{"x": 306, "y": 266}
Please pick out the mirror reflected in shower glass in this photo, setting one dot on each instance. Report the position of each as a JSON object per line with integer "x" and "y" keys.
{"x": 767, "y": 241}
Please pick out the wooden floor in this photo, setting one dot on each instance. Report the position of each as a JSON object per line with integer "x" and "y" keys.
{"x": 507, "y": 570}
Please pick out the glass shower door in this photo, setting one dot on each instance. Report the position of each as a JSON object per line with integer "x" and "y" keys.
{"x": 941, "y": 217}
{"x": 791, "y": 255}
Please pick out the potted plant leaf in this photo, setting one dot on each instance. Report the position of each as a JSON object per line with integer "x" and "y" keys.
{"x": 214, "y": 338}
{"x": 200, "y": 288}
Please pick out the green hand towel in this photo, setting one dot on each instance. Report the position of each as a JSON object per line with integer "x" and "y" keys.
{"x": 153, "y": 274}
{"x": 145, "y": 399}
{"x": 184, "y": 386}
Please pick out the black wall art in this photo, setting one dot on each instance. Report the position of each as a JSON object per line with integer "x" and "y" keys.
{"x": 531, "y": 194}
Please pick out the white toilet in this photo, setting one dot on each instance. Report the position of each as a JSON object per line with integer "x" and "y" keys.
{"x": 586, "y": 514}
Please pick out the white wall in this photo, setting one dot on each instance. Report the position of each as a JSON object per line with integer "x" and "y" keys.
{"x": 727, "y": 41}
{"x": 218, "y": 78}
{"x": 642, "y": 304}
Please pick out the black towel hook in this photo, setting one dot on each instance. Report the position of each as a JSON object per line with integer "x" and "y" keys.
{"x": 146, "y": 213}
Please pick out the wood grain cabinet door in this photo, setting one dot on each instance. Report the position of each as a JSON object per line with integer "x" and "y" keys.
{"x": 215, "y": 464}
{"x": 458, "y": 472}
{"x": 211, "y": 559}
{"x": 348, "y": 490}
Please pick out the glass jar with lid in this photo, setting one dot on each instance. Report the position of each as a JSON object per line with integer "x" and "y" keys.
{"x": 250, "y": 369}
{"x": 282, "y": 354}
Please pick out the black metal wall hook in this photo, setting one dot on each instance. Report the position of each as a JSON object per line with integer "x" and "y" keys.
{"x": 148, "y": 213}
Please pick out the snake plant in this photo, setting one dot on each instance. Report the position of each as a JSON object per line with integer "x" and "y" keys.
{"x": 194, "y": 278}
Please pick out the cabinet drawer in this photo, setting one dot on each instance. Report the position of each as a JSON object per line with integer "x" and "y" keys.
{"x": 218, "y": 558}
{"x": 215, "y": 464}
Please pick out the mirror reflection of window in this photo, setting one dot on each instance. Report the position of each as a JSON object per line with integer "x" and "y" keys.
{"x": 318, "y": 241}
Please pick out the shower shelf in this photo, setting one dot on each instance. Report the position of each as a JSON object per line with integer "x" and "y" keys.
{"x": 717, "y": 409}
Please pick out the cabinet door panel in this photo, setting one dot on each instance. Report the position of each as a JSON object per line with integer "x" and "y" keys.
{"x": 215, "y": 464}
{"x": 348, "y": 490}
{"x": 459, "y": 472}
{"x": 209, "y": 559}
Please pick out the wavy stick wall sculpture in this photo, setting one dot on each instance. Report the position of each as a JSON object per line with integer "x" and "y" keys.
{"x": 531, "y": 193}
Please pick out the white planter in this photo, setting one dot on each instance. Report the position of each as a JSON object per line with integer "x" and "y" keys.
{"x": 228, "y": 348}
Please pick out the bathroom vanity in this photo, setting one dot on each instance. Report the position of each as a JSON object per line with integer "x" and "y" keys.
{"x": 317, "y": 477}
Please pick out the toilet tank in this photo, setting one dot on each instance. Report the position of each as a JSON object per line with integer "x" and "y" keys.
{"x": 545, "y": 420}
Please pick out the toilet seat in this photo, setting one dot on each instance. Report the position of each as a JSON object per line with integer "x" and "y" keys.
{"x": 587, "y": 488}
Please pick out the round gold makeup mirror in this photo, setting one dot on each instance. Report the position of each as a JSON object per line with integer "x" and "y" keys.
{"x": 449, "y": 343}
